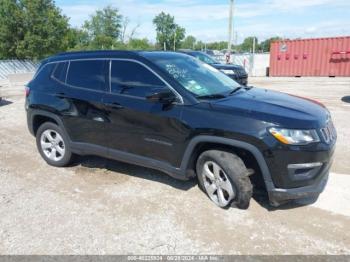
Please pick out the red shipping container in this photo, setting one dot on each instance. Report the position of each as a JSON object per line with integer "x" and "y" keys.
{"x": 311, "y": 57}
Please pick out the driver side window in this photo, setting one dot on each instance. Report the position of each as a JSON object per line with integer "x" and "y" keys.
{"x": 133, "y": 79}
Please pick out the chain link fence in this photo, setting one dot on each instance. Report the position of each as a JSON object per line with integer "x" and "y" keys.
{"x": 8, "y": 67}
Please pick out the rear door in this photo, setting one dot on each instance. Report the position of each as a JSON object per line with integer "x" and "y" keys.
{"x": 137, "y": 125}
{"x": 86, "y": 83}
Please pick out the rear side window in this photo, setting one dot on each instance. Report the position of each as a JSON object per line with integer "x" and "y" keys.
{"x": 60, "y": 71}
{"x": 42, "y": 77}
{"x": 89, "y": 74}
{"x": 133, "y": 79}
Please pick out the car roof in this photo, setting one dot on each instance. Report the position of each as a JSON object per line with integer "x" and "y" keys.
{"x": 109, "y": 54}
{"x": 91, "y": 54}
{"x": 161, "y": 54}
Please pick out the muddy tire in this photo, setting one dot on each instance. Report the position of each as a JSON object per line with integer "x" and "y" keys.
{"x": 224, "y": 178}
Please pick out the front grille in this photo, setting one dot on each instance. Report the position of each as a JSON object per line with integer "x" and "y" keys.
{"x": 329, "y": 133}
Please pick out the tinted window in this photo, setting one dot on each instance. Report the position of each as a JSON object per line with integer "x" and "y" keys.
{"x": 59, "y": 72}
{"x": 88, "y": 74}
{"x": 43, "y": 74}
{"x": 131, "y": 78}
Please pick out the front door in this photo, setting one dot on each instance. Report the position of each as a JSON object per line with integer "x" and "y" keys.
{"x": 136, "y": 125}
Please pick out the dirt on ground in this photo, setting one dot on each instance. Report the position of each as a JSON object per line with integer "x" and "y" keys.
{"x": 100, "y": 206}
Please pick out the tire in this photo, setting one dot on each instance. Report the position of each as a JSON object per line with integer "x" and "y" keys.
{"x": 225, "y": 170}
{"x": 53, "y": 145}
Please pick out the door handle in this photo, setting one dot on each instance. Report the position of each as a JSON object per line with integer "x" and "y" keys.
{"x": 61, "y": 95}
{"x": 114, "y": 105}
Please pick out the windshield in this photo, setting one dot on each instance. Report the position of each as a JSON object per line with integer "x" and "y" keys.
{"x": 205, "y": 58}
{"x": 197, "y": 77}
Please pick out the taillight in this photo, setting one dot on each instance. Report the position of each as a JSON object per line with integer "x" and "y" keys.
{"x": 27, "y": 91}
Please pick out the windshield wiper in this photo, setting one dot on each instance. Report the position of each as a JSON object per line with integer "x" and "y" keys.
{"x": 235, "y": 90}
{"x": 212, "y": 96}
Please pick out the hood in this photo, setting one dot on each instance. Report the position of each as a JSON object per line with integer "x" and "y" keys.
{"x": 275, "y": 107}
{"x": 228, "y": 67}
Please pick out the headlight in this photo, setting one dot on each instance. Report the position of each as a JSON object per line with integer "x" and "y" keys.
{"x": 294, "y": 137}
{"x": 228, "y": 72}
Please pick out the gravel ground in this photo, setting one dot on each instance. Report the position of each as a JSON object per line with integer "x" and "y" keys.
{"x": 100, "y": 206}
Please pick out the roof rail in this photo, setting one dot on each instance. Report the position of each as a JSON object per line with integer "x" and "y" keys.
{"x": 92, "y": 51}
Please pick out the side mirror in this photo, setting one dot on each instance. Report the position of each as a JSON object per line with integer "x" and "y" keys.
{"x": 164, "y": 97}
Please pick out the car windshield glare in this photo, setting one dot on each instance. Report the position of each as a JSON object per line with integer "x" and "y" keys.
{"x": 206, "y": 59}
{"x": 197, "y": 77}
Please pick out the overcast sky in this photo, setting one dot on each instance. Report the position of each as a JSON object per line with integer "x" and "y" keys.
{"x": 207, "y": 20}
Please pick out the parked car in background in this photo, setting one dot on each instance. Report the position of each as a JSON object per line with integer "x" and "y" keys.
{"x": 236, "y": 72}
{"x": 209, "y": 52}
{"x": 171, "y": 112}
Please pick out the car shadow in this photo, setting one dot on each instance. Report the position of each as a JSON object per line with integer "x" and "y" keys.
{"x": 262, "y": 199}
{"x": 4, "y": 102}
{"x": 346, "y": 99}
{"x": 134, "y": 171}
{"x": 260, "y": 196}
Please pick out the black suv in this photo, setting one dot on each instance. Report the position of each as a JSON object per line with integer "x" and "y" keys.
{"x": 171, "y": 112}
{"x": 236, "y": 72}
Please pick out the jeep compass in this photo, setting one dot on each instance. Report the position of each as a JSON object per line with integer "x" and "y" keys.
{"x": 171, "y": 112}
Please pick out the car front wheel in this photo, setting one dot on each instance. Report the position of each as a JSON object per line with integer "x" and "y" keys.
{"x": 224, "y": 178}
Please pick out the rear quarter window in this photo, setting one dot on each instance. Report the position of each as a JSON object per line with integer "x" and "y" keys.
{"x": 88, "y": 74}
{"x": 59, "y": 72}
{"x": 42, "y": 77}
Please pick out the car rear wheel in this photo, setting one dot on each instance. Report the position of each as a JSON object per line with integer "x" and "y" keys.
{"x": 224, "y": 178}
{"x": 53, "y": 145}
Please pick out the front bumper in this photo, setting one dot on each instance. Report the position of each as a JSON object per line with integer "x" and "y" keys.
{"x": 306, "y": 177}
{"x": 278, "y": 196}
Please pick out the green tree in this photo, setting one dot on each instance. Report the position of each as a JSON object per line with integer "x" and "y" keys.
{"x": 168, "y": 31}
{"x": 104, "y": 28}
{"x": 76, "y": 39}
{"x": 189, "y": 42}
{"x": 265, "y": 45}
{"x": 247, "y": 45}
{"x": 31, "y": 29}
{"x": 139, "y": 44}
{"x": 199, "y": 45}
{"x": 10, "y": 28}
{"x": 178, "y": 36}
{"x": 217, "y": 45}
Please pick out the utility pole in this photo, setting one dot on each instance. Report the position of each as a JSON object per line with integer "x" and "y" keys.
{"x": 251, "y": 66}
{"x": 175, "y": 40}
{"x": 230, "y": 27}
{"x": 253, "y": 45}
{"x": 164, "y": 46}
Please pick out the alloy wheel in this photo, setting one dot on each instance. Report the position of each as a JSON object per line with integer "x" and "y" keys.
{"x": 52, "y": 145}
{"x": 217, "y": 184}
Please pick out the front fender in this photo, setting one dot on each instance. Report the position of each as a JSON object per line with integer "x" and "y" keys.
{"x": 229, "y": 142}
